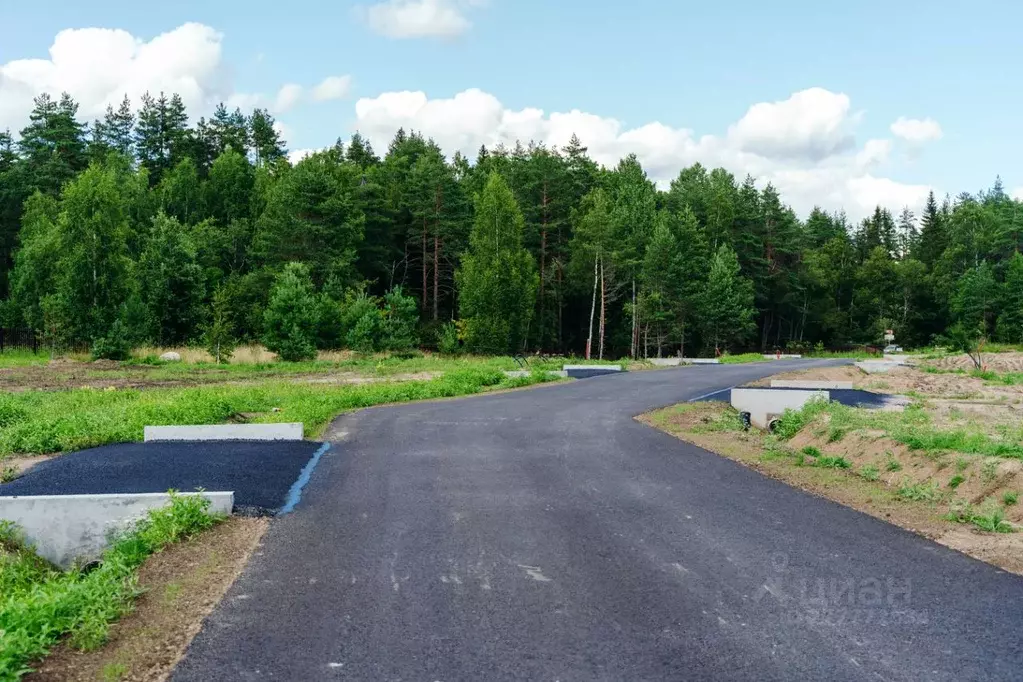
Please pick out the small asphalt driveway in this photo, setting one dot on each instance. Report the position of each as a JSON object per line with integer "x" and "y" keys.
{"x": 261, "y": 474}
{"x": 546, "y": 535}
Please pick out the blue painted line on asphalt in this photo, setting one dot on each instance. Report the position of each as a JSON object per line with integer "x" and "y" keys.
{"x": 295, "y": 493}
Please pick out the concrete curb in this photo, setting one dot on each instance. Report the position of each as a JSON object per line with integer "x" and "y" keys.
{"x": 293, "y": 431}
{"x": 701, "y": 361}
{"x": 63, "y": 528}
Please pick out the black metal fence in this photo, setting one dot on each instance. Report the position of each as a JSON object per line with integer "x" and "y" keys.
{"x": 32, "y": 341}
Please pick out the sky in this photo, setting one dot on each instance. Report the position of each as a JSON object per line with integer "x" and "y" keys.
{"x": 843, "y": 106}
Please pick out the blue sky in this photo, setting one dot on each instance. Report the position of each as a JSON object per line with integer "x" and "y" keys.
{"x": 684, "y": 65}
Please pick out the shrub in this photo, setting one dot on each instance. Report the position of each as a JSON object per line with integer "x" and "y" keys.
{"x": 116, "y": 345}
{"x": 870, "y": 472}
{"x": 400, "y": 317}
{"x": 448, "y": 342}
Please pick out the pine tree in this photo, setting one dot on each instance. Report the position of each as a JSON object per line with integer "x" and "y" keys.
{"x": 119, "y": 127}
{"x": 727, "y": 306}
{"x": 933, "y": 236}
{"x": 53, "y": 144}
{"x": 266, "y": 141}
{"x": 497, "y": 279}
{"x": 1010, "y": 321}
{"x": 290, "y": 320}
{"x": 976, "y": 298}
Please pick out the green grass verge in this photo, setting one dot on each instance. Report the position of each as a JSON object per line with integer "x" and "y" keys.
{"x": 742, "y": 358}
{"x": 40, "y": 605}
{"x": 913, "y": 428}
{"x": 55, "y": 421}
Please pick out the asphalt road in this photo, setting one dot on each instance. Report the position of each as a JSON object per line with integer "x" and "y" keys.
{"x": 260, "y": 474}
{"x": 546, "y": 535}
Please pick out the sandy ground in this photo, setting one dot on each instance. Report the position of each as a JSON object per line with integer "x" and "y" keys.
{"x": 182, "y": 585}
{"x": 62, "y": 375}
{"x": 996, "y": 362}
{"x": 877, "y": 498}
{"x": 907, "y": 380}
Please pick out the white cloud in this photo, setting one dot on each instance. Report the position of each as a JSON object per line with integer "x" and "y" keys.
{"x": 804, "y": 145}
{"x": 917, "y": 131}
{"x": 419, "y": 18}
{"x": 99, "y": 66}
{"x": 333, "y": 87}
{"x": 812, "y": 124}
{"x": 296, "y": 155}
{"x": 287, "y": 97}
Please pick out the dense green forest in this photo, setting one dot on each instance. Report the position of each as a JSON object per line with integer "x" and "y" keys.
{"x": 143, "y": 228}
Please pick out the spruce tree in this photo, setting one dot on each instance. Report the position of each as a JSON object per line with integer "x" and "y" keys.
{"x": 726, "y": 311}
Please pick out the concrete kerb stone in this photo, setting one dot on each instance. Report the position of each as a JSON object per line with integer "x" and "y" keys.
{"x": 66, "y": 528}
{"x": 270, "y": 432}
{"x": 812, "y": 385}
{"x": 701, "y": 361}
{"x": 665, "y": 362}
{"x": 765, "y": 404}
{"x": 587, "y": 371}
{"x": 783, "y": 356}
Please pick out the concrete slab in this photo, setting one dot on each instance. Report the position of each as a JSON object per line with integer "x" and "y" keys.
{"x": 701, "y": 361}
{"x": 812, "y": 385}
{"x": 65, "y": 528}
{"x": 225, "y": 432}
{"x": 587, "y": 371}
{"x": 783, "y": 356}
{"x": 764, "y": 404}
{"x": 665, "y": 362}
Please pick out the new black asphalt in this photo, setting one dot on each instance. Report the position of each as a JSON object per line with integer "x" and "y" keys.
{"x": 260, "y": 474}
{"x": 845, "y": 396}
{"x": 546, "y": 535}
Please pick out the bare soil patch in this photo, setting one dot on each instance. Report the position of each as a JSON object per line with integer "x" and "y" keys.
{"x": 907, "y": 380}
{"x": 996, "y": 362}
{"x": 984, "y": 480}
{"x": 182, "y": 585}
{"x": 114, "y": 376}
{"x": 23, "y": 464}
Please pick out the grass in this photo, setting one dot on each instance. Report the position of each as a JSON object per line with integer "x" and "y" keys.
{"x": 918, "y": 492}
{"x": 40, "y": 605}
{"x": 956, "y": 481}
{"x": 833, "y": 463}
{"x": 44, "y": 422}
{"x": 991, "y": 519}
{"x": 1010, "y": 498}
{"x": 870, "y": 472}
{"x": 912, "y": 427}
{"x": 26, "y": 358}
{"x": 8, "y": 473}
{"x": 742, "y": 359}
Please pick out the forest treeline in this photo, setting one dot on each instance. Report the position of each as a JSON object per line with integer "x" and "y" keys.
{"x": 141, "y": 227}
